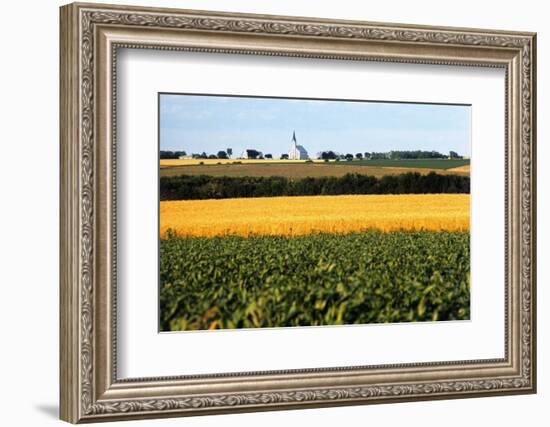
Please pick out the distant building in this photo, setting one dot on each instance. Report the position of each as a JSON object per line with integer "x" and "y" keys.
{"x": 186, "y": 156}
{"x": 297, "y": 152}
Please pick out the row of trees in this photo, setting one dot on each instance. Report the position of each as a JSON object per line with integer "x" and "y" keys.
{"x": 222, "y": 154}
{"x": 417, "y": 154}
{"x": 325, "y": 155}
{"x": 255, "y": 154}
{"x": 393, "y": 155}
{"x": 221, "y": 187}
{"x": 172, "y": 154}
{"x": 331, "y": 155}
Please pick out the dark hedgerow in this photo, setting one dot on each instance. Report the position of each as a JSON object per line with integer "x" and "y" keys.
{"x": 195, "y": 187}
{"x": 319, "y": 279}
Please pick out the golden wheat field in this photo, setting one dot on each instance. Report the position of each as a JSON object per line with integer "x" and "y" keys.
{"x": 301, "y": 215}
{"x": 460, "y": 169}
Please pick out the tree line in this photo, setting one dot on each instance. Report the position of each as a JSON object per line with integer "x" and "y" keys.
{"x": 222, "y": 154}
{"x": 393, "y": 155}
{"x": 324, "y": 155}
{"x": 164, "y": 154}
{"x": 194, "y": 187}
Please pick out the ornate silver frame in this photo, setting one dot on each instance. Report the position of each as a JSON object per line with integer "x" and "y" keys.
{"x": 90, "y": 36}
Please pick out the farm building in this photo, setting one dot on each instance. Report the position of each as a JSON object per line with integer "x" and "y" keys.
{"x": 297, "y": 152}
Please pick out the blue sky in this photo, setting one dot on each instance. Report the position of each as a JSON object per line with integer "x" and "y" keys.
{"x": 197, "y": 123}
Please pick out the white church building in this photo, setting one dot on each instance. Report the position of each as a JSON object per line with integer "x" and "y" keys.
{"x": 297, "y": 152}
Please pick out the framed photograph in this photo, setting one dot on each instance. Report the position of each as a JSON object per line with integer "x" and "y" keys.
{"x": 267, "y": 212}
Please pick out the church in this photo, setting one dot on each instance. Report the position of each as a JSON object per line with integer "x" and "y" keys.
{"x": 297, "y": 152}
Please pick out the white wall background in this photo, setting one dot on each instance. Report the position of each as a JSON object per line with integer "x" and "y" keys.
{"x": 29, "y": 171}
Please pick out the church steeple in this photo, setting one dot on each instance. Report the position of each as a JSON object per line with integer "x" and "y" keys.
{"x": 297, "y": 152}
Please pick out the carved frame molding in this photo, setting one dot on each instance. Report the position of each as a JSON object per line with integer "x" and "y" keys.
{"x": 89, "y": 387}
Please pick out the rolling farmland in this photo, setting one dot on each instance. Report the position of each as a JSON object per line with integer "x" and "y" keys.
{"x": 278, "y": 243}
{"x": 407, "y": 163}
{"x": 439, "y": 164}
{"x": 300, "y": 169}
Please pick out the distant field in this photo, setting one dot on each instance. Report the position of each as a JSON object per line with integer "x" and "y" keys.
{"x": 414, "y": 163}
{"x": 460, "y": 169}
{"x": 191, "y": 162}
{"x": 300, "y": 169}
{"x": 411, "y": 163}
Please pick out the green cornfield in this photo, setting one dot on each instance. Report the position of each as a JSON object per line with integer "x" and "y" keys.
{"x": 320, "y": 279}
